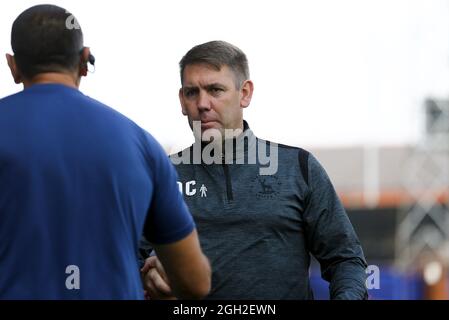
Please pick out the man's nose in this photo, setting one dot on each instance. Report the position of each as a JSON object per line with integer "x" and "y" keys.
{"x": 204, "y": 103}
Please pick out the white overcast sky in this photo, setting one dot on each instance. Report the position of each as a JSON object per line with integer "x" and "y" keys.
{"x": 326, "y": 72}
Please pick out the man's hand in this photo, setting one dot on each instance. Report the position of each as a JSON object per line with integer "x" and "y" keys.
{"x": 155, "y": 282}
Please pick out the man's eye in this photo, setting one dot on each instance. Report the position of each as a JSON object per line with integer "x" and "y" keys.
{"x": 189, "y": 93}
{"x": 216, "y": 90}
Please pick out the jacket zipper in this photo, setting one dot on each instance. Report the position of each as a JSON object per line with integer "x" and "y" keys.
{"x": 228, "y": 182}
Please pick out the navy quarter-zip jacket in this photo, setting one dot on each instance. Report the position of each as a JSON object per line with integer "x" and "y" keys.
{"x": 259, "y": 230}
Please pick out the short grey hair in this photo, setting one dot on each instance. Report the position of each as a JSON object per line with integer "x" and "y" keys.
{"x": 218, "y": 54}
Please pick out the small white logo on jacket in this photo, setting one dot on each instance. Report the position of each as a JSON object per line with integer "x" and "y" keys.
{"x": 189, "y": 189}
{"x": 203, "y": 191}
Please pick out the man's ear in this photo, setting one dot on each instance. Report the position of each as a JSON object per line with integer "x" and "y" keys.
{"x": 181, "y": 100}
{"x": 246, "y": 93}
{"x": 14, "y": 70}
{"x": 84, "y": 58}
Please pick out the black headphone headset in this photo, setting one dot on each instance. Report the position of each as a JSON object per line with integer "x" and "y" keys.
{"x": 91, "y": 59}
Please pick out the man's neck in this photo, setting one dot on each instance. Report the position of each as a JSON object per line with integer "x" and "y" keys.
{"x": 52, "y": 77}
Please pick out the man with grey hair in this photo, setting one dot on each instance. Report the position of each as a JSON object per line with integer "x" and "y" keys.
{"x": 257, "y": 227}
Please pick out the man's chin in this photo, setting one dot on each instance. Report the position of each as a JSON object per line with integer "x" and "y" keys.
{"x": 210, "y": 125}
{"x": 207, "y": 131}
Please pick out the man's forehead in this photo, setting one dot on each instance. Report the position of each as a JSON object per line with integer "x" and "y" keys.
{"x": 203, "y": 74}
